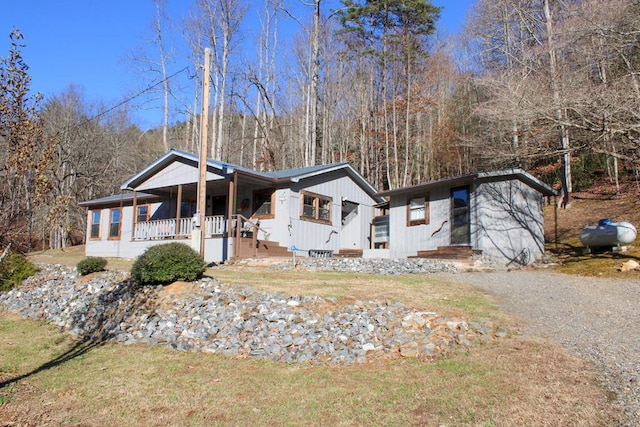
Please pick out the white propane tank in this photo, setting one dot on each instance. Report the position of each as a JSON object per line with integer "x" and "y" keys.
{"x": 608, "y": 233}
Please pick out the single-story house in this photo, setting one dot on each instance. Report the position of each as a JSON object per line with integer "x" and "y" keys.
{"x": 319, "y": 210}
{"x": 497, "y": 214}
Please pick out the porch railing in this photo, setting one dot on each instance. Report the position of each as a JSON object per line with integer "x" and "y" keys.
{"x": 214, "y": 225}
{"x": 177, "y": 229}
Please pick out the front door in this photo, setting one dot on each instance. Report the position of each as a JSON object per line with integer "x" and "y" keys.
{"x": 350, "y": 230}
{"x": 460, "y": 216}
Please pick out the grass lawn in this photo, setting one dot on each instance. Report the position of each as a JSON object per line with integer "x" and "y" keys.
{"x": 47, "y": 379}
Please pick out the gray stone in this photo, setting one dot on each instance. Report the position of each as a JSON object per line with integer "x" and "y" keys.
{"x": 240, "y": 320}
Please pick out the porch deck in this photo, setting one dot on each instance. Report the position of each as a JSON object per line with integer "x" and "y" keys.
{"x": 174, "y": 228}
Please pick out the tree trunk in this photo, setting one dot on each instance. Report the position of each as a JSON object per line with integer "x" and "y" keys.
{"x": 559, "y": 111}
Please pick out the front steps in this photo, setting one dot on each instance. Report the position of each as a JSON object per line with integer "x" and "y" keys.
{"x": 349, "y": 253}
{"x": 262, "y": 249}
{"x": 458, "y": 252}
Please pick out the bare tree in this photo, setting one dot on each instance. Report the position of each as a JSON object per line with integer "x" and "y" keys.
{"x": 153, "y": 66}
{"x": 219, "y": 21}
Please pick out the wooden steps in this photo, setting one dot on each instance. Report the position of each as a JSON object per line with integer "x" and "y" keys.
{"x": 263, "y": 249}
{"x": 449, "y": 252}
{"x": 348, "y": 253}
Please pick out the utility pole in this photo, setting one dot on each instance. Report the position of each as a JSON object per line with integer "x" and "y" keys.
{"x": 202, "y": 164}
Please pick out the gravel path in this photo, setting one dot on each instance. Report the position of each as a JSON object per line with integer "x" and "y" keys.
{"x": 598, "y": 319}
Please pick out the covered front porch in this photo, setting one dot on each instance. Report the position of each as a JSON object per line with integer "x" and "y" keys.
{"x": 230, "y": 229}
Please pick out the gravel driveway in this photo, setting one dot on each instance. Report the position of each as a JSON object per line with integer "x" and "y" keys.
{"x": 598, "y": 319}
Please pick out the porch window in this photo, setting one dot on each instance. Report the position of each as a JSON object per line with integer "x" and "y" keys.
{"x": 114, "y": 223}
{"x": 316, "y": 207}
{"x": 263, "y": 202}
{"x": 187, "y": 209}
{"x": 142, "y": 213}
{"x": 418, "y": 210}
{"x": 95, "y": 225}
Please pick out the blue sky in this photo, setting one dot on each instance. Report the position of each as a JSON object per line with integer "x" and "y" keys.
{"x": 86, "y": 42}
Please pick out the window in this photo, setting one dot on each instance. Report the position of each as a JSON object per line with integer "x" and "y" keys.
{"x": 349, "y": 211}
{"x": 95, "y": 225}
{"x": 187, "y": 209}
{"x": 114, "y": 223}
{"x": 142, "y": 213}
{"x": 460, "y": 216}
{"x": 418, "y": 210}
{"x": 316, "y": 207}
{"x": 263, "y": 203}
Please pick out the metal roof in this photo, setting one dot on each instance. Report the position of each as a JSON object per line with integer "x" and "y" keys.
{"x": 227, "y": 169}
{"x": 116, "y": 199}
{"x": 504, "y": 174}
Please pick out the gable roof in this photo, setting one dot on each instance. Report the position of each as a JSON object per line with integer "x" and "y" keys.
{"x": 227, "y": 169}
{"x": 504, "y": 174}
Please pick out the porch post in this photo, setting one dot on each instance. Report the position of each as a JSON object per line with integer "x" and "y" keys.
{"x": 202, "y": 162}
{"x": 230, "y": 205}
{"x": 135, "y": 215}
{"x": 178, "y": 205}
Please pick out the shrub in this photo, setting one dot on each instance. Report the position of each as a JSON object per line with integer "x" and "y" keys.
{"x": 167, "y": 263}
{"x": 91, "y": 265}
{"x": 14, "y": 268}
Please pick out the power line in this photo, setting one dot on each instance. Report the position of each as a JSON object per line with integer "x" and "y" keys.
{"x": 138, "y": 94}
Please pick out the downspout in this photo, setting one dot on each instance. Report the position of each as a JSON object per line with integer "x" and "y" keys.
{"x": 178, "y": 208}
{"x": 231, "y": 201}
{"x": 475, "y": 214}
{"x": 555, "y": 220}
{"x": 120, "y": 225}
{"x": 135, "y": 216}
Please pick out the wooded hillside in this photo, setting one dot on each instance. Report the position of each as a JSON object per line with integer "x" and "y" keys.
{"x": 547, "y": 85}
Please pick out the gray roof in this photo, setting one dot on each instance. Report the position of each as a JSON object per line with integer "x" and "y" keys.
{"x": 504, "y": 174}
{"x": 116, "y": 199}
{"x": 227, "y": 169}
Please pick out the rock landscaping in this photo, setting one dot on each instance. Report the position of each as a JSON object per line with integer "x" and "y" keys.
{"x": 240, "y": 321}
{"x": 373, "y": 265}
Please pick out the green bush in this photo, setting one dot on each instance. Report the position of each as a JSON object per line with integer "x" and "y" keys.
{"x": 91, "y": 265}
{"x": 14, "y": 268}
{"x": 167, "y": 263}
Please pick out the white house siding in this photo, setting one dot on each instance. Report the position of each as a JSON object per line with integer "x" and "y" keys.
{"x": 309, "y": 235}
{"x": 175, "y": 173}
{"x": 124, "y": 247}
{"x": 278, "y": 227}
{"x": 115, "y": 248}
{"x": 408, "y": 240}
{"x": 510, "y": 225}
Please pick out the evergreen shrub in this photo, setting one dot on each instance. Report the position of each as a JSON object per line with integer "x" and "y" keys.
{"x": 167, "y": 263}
{"x": 91, "y": 265}
{"x": 14, "y": 268}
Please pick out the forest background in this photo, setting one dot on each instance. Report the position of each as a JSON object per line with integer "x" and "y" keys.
{"x": 547, "y": 85}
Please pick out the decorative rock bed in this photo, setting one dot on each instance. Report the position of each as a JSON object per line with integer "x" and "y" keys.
{"x": 213, "y": 317}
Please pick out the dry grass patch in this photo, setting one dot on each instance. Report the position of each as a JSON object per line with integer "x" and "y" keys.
{"x": 72, "y": 255}
{"x": 419, "y": 291}
{"x": 569, "y": 251}
{"x": 512, "y": 382}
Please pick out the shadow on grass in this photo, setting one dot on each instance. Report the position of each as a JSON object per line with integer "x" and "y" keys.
{"x": 98, "y": 322}
{"x": 78, "y": 349}
{"x": 576, "y": 253}
{"x": 601, "y": 255}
